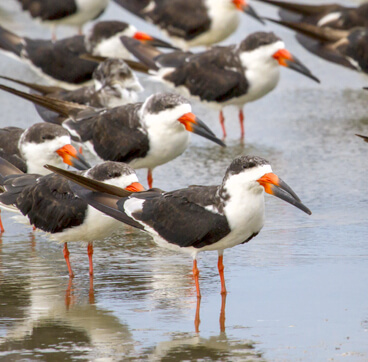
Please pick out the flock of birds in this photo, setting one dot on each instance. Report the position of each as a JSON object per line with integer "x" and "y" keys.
{"x": 92, "y": 102}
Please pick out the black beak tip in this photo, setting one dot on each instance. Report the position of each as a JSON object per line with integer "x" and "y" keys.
{"x": 221, "y": 143}
{"x": 315, "y": 79}
{"x": 250, "y": 11}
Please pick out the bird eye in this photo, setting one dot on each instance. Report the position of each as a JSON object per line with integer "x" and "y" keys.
{"x": 48, "y": 137}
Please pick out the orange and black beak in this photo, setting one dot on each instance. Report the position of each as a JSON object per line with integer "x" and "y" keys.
{"x": 242, "y": 5}
{"x": 195, "y": 125}
{"x": 150, "y": 40}
{"x": 273, "y": 185}
{"x": 73, "y": 158}
{"x": 286, "y": 59}
{"x": 135, "y": 187}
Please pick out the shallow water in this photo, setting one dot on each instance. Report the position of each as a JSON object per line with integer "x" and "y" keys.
{"x": 297, "y": 292}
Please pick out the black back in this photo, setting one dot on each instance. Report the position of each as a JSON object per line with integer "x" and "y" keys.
{"x": 9, "y": 150}
{"x": 61, "y": 59}
{"x": 208, "y": 74}
{"x": 49, "y": 9}
{"x": 180, "y": 216}
{"x": 116, "y": 133}
{"x": 184, "y": 19}
{"x": 50, "y": 205}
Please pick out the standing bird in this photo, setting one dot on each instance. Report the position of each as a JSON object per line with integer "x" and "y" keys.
{"x": 66, "y": 12}
{"x": 50, "y": 205}
{"x": 328, "y": 15}
{"x": 197, "y": 218}
{"x": 60, "y": 62}
{"x": 30, "y": 149}
{"x": 114, "y": 85}
{"x": 222, "y": 76}
{"x": 144, "y": 135}
{"x": 191, "y": 23}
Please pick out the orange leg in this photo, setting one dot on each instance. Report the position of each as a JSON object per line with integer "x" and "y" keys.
{"x": 222, "y": 123}
{"x": 241, "y": 120}
{"x": 53, "y": 33}
{"x": 149, "y": 178}
{"x": 1, "y": 225}
{"x": 66, "y": 256}
{"x": 196, "y": 275}
{"x": 220, "y": 266}
{"x": 197, "y": 320}
{"x": 222, "y": 313}
{"x": 91, "y": 292}
{"x": 69, "y": 298}
{"x": 90, "y": 253}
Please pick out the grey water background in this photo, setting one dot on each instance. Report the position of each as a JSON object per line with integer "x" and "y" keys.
{"x": 297, "y": 292}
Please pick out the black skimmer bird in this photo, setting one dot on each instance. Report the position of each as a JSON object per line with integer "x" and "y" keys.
{"x": 222, "y": 76}
{"x": 328, "y": 15}
{"x": 197, "y": 218}
{"x": 60, "y": 62}
{"x": 144, "y": 135}
{"x": 70, "y": 12}
{"x": 50, "y": 205}
{"x": 114, "y": 85}
{"x": 190, "y": 23}
{"x": 345, "y": 47}
{"x": 30, "y": 149}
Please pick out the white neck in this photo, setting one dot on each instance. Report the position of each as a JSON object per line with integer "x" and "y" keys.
{"x": 261, "y": 69}
{"x": 38, "y": 155}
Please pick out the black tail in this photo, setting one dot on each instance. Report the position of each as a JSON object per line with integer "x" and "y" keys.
{"x": 323, "y": 34}
{"x": 138, "y": 67}
{"x": 10, "y": 42}
{"x": 67, "y": 109}
{"x": 7, "y": 169}
{"x": 303, "y": 9}
{"x": 43, "y": 89}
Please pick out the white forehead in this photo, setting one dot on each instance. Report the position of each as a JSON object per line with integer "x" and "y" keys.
{"x": 248, "y": 175}
{"x": 167, "y": 116}
{"x": 263, "y": 53}
{"x": 123, "y": 181}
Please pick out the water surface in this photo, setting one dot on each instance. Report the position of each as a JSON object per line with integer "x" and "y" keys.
{"x": 297, "y": 292}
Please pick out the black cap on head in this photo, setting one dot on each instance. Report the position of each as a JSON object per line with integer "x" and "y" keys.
{"x": 258, "y": 39}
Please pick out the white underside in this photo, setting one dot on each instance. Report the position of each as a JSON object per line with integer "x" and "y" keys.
{"x": 164, "y": 147}
{"x": 96, "y": 226}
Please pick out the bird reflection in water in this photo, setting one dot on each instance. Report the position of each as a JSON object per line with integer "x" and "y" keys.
{"x": 197, "y": 320}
